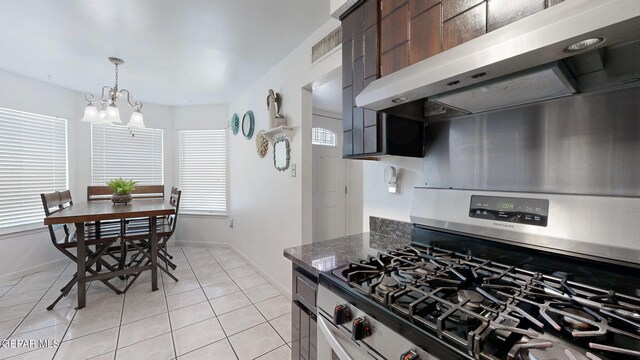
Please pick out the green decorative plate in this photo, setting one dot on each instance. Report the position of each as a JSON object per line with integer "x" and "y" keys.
{"x": 248, "y": 124}
{"x": 235, "y": 124}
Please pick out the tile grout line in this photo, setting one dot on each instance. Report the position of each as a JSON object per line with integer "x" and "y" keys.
{"x": 124, "y": 302}
{"x": 254, "y": 305}
{"x": 36, "y": 304}
{"x": 207, "y": 300}
{"x": 166, "y": 303}
{"x": 214, "y": 312}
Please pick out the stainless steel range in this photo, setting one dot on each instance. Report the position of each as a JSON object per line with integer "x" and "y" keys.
{"x": 494, "y": 275}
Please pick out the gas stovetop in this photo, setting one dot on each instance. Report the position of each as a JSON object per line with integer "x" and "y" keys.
{"x": 492, "y": 310}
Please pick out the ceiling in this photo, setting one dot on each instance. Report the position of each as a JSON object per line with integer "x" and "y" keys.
{"x": 328, "y": 97}
{"x": 176, "y": 52}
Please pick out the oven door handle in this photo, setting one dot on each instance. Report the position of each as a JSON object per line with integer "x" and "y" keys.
{"x": 331, "y": 339}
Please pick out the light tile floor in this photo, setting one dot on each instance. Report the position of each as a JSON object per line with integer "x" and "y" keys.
{"x": 220, "y": 309}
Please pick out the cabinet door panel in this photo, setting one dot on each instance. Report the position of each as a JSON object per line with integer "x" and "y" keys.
{"x": 347, "y": 143}
{"x": 394, "y": 60}
{"x": 370, "y": 13}
{"x": 464, "y": 27}
{"x": 295, "y": 332}
{"x": 371, "y": 52}
{"x": 370, "y": 117}
{"x": 358, "y": 130}
{"x": 358, "y": 33}
{"x": 426, "y": 34}
{"x": 347, "y": 109}
{"x": 347, "y": 64}
{"x": 417, "y": 7}
{"x": 313, "y": 340}
{"x": 394, "y": 29}
{"x": 305, "y": 323}
{"x": 388, "y": 6}
{"x": 371, "y": 139}
{"x": 504, "y": 12}
{"x": 347, "y": 29}
{"x": 451, "y": 8}
{"x": 358, "y": 77}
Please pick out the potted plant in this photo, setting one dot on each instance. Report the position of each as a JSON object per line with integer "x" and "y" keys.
{"x": 121, "y": 190}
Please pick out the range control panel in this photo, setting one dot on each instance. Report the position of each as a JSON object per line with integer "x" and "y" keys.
{"x": 514, "y": 210}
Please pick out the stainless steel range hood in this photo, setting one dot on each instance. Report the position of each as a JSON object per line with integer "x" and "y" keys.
{"x": 475, "y": 74}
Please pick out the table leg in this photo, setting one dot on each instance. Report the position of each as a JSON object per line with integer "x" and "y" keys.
{"x": 154, "y": 253}
{"x": 82, "y": 275}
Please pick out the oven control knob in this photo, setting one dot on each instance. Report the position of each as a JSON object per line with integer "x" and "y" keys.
{"x": 410, "y": 355}
{"x": 360, "y": 329}
{"x": 341, "y": 314}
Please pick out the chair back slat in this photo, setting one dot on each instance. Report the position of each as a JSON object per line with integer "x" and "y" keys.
{"x": 51, "y": 201}
{"x": 65, "y": 198}
{"x": 103, "y": 192}
{"x": 174, "y": 200}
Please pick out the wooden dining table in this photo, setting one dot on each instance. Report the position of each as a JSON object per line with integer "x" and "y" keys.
{"x": 83, "y": 212}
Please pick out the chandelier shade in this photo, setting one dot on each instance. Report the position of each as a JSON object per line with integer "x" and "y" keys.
{"x": 112, "y": 115}
{"x": 109, "y": 112}
{"x": 91, "y": 115}
{"x": 137, "y": 120}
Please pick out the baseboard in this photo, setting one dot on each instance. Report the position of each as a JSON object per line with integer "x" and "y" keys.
{"x": 285, "y": 291}
{"x": 33, "y": 269}
{"x": 198, "y": 243}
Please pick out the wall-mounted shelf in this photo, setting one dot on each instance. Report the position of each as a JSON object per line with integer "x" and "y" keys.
{"x": 278, "y": 132}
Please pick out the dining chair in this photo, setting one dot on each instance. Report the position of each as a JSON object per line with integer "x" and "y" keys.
{"x": 165, "y": 229}
{"x": 65, "y": 242}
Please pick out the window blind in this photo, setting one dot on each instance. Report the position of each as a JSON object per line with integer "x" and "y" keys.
{"x": 33, "y": 160}
{"x": 115, "y": 154}
{"x": 203, "y": 170}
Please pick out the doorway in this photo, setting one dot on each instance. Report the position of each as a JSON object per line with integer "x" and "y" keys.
{"x": 337, "y": 183}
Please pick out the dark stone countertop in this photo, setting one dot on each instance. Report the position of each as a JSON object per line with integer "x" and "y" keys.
{"x": 330, "y": 254}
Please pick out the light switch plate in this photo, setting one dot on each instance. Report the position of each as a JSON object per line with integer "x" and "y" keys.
{"x": 293, "y": 170}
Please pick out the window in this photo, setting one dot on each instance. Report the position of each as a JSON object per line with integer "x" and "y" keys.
{"x": 116, "y": 153}
{"x": 321, "y": 136}
{"x": 203, "y": 171}
{"x": 33, "y": 160}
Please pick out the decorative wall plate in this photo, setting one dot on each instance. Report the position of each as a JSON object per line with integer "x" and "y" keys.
{"x": 248, "y": 123}
{"x": 262, "y": 144}
{"x": 234, "y": 124}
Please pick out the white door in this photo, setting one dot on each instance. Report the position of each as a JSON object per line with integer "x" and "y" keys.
{"x": 329, "y": 182}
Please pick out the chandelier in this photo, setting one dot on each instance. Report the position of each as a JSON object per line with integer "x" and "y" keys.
{"x": 109, "y": 113}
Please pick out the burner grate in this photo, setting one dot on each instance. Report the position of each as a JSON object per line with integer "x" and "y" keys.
{"x": 497, "y": 311}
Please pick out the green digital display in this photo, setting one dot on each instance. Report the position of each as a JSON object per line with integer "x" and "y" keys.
{"x": 505, "y": 206}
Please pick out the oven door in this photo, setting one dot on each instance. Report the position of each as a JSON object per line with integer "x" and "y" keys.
{"x": 334, "y": 343}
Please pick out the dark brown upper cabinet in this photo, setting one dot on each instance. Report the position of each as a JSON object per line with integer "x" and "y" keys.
{"x": 414, "y": 30}
{"x": 371, "y": 31}
{"x": 504, "y": 12}
{"x": 360, "y": 66}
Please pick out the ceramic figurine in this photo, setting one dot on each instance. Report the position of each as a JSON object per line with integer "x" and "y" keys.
{"x": 274, "y": 103}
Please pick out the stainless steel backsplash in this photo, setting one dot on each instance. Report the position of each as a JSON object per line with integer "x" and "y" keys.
{"x": 583, "y": 144}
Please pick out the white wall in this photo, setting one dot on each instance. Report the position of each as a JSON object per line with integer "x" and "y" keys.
{"x": 377, "y": 199}
{"x": 269, "y": 210}
{"x": 25, "y": 252}
{"x": 199, "y": 228}
{"x": 32, "y": 250}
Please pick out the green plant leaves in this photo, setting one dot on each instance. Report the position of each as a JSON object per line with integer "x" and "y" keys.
{"x": 122, "y": 187}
